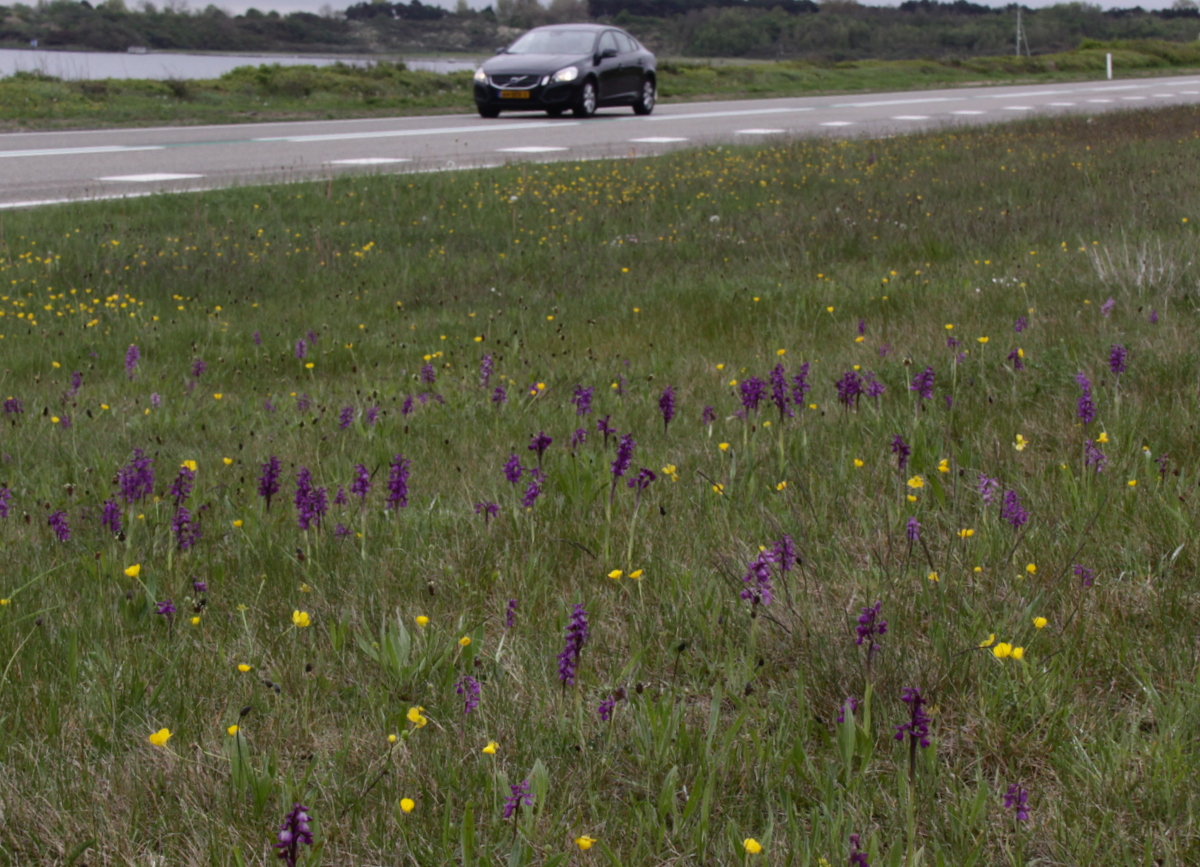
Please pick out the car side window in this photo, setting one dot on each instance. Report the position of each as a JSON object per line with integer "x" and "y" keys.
{"x": 607, "y": 41}
{"x": 627, "y": 45}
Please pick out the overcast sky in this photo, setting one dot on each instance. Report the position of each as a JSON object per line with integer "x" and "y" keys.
{"x": 285, "y": 6}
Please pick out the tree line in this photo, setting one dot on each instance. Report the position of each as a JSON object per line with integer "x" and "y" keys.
{"x": 832, "y": 30}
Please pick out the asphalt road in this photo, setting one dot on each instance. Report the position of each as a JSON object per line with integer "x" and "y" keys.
{"x": 52, "y": 167}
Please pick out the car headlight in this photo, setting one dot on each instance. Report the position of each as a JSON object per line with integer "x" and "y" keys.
{"x": 569, "y": 74}
{"x": 481, "y": 76}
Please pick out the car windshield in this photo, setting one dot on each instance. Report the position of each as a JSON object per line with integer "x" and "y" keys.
{"x": 554, "y": 42}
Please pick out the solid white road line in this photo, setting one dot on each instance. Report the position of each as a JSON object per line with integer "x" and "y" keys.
{"x": 757, "y": 131}
{"x": 399, "y": 133}
{"x": 968, "y": 111}
{"x": 150, "y": 178}
{"x": 703, "y": 114}
{"x": 911, "y": 117}
{"x": 530, "y": 149}
{"x": 1060, "y": 104}
{"x": 837, "y": 123}
{"x": 69, "y": 152}
{"x": 657, "y": 139}
{"x": 369, "y": 161}
{"x": 1017, "y": 108}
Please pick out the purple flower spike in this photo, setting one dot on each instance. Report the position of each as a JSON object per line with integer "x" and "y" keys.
{"x": 577, "y": 636}
{"x": 513, "y": 469}
{"x": 521, "y": 795}
{"x": 398, "y": 484}
{"x": 605, "y": 429}
{"x": 181, "y": 488}
{"x": 849, "y": 706}
{"x": 757, "y": 580}
{"x": 605, "y": 710}
{"x": 922, "y": 384}
{"x": 132, "y": 355}
{"x": 500, "y": 396}
{"x": 582, "y": 398}
{"x": 311, "y": 502}
{"x": 578, "y": 438}
{"x": 1116, "y": 359}
{"x": 293, "y": 833}
{"x": 753, "y": 390}
{"x": 779, "y": 392}
{"x": 166, "y": 608}
{"x": 185, "y": 530}
{"x": 346, "y": 417}
{"x": 870, "y": 626}
{"x": 1085, "y": 575}
{"x": 136, "y": 479}
{"x": 110, "y": 517}
{"x": 268, "y": 482}
{"x": 510, "y": 614}
{"x": 1021, "y": 324}
{"x": 1106, "y": 308}
{"x": 858, "y": 855}
{"x": 1015, "y": 800}
{"x": 361, "y": 486}
{"x": 849, "y": 388}
{"x": 624, "y": 457}
{"x": 469, "y": 689}
{"x": 1011, "y": 510}
{"x": 708, "y": 416}
{"x": 642, "y": 480}
{"x": 1086, "y": 410}
{"x": 540, "y": 443}
{"x": 486, "y": 368}
{"x": 428, "y": 374}
{"x": 912, "y": 530}
{"x": 534, "y": 490}
{"x": 988, "y": 488}
{"x": 901, "y": 450}
{"x": 801, "y": 386}
{"x": 58, "y": 523}
{"x": 1018, "y": 362}
{"x": 666, "y": 405}
{"x": 301, "y": 348}
{"x": 917, "y": 727}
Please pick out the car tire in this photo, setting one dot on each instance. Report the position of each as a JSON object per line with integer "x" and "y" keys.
{"x": 646, "y": 98}
{"x": 586, "y": 105}
{"x": 488, "y": 112}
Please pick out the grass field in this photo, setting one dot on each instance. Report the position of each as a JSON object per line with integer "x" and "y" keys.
{"x": 266, "y": 93}
{"x": 1030, "y": 543}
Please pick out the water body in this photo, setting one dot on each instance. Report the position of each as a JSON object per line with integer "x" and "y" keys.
{"x": 83, "y": 65}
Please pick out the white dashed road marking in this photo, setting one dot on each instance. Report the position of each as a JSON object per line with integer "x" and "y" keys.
{"x": 657, "y": 139}
{"x": 911, "y": 117}
{"x": 758, "y": 131}
{"x": 1061, "y": 104}
{"x": 1018, "y": 108}
{"x": 369, "y": 161}
{"x": 837, "y": 123}
{"x": 1099, "y": 100}
{"x": 531, "y": 149}
{"x": 967, "y": 111}
{"x": 70, "y": 152}
{"x": 150, "y": 178}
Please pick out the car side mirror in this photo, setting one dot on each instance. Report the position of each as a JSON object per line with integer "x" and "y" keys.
{"x": 606, "y": 54}
{"x": 502, "y": 49}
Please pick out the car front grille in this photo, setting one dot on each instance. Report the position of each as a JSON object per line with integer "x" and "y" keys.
{"x": 520, "y": 80}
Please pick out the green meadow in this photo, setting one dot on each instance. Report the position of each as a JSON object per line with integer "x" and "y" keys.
{"x": 733, "y": 407}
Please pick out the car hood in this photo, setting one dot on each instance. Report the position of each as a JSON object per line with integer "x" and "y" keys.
{"x": 531, "y": 63}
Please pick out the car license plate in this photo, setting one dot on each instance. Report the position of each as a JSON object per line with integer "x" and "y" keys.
{"x": 514, "y": 94}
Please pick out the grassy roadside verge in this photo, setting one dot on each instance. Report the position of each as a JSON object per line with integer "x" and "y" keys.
{"x": 304, "y": 93}
{"x": 972, "y": 453}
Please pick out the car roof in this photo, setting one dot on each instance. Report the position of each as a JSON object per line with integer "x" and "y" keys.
{"x": 592, "y": 27}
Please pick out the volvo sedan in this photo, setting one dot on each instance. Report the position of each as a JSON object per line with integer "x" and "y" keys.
{"x": 580, "y": 67}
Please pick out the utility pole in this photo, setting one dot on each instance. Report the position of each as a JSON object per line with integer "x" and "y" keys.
{"x": 1021, "y": 35}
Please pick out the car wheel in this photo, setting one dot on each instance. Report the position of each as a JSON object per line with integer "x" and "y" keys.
{"x": 645, "y": 103}
{"x": 554, "y": 112}
{"x": 488, "y": 112}
{"x": 586, "y": 106}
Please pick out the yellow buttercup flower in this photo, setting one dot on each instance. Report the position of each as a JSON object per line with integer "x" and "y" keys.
{"x": 490, "y": 749}
{"x": 718, "y": 488}
{"x": 781, "y": 352}
{"x": 1031, "y": 568}
{"x": 991, "y": 639}
{"x": 858, "y": 464}
{"x": 219, "y": 395}
{"x": 966, "y": 533}
{"x": 227, "y": 461}
{"x": 1018, "y": 653}
{"x": 392, "y": 739}
{"x": 1103, "y": 438}
{"x": 1020, "y": 444}
{"x": 407, "y": 805}
{"x": 615, "y": 574}
{"x": 191, "y": 465}
{"x": 160, "y": 737}
{"x": 782, "y": 486}
{"x": 416, "y": 716}
{"x": 933, "y": 576}
{"x": 232, "y": 730}
{"x": 1132, "y": 483}
{"x": 1040, "y": 622}
{"x": 1003, "y": 650}
{"x": 237, "y": 524}
{"x": 243, "y": 668}
{"x": 944, "y": 465}
{"x": 134, "y": 570}
{"x": 723, "y": 446}
{"x": 585, "y": 842}
{"x": 196, "y": 620}
{"x": 982, "y": 339}
{"x": 752, "y": 846}
{"x": 301, "y": 619}
{"x": 671, "y": 471}
{"x": 912, "y": 498}
{"x": 916, "y": 482}
{"x": 636, "y": 574}
{"x": 422, "y": 620}
{"x": 464, "y": 641}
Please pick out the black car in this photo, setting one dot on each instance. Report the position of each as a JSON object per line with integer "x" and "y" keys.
{"x": 580, "y": 67}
